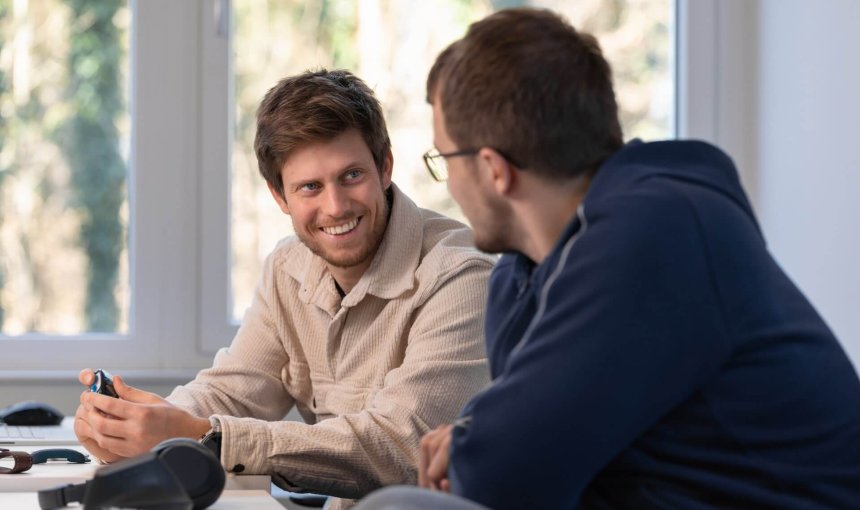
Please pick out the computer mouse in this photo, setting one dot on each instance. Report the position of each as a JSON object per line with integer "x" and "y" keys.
{"x": 30, "y": 413}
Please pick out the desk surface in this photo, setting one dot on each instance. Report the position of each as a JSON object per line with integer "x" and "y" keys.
{"x": 229, "y": 500}
{"x": 53, "y": 474}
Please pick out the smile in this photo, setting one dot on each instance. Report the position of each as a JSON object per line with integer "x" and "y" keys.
{"x": 341, "y": 229}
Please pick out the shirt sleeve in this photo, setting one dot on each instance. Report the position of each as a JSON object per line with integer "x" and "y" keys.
{"x": 350, "y": 455}
{"x": 245, "y": 378}
{"x": 627, "y": 326}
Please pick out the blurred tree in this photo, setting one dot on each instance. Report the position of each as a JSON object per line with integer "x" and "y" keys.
{"x": 508, "y": 4}
{"x": 90, "y": 143}
{"x": 391, "y": 44}
{"x": 336, "y": 32}
{"x": 274, "y": 39}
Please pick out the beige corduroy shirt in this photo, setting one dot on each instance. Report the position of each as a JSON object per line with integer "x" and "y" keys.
{"x": 370, "y": 374}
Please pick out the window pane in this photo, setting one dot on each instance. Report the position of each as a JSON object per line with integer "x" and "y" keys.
{"x": 64, "y": 138}
{"x": 391, "y": 45}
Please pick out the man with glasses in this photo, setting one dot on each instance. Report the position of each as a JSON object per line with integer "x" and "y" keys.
{"x": 645, "y": 348}
{"x": 369, "y": 320}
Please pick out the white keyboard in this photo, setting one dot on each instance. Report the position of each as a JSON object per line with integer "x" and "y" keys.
{"x": 38, "y": 435}
{"x": 21, "y": 432}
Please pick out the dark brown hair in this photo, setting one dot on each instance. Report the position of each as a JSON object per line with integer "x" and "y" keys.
{"x": 526, "y": 83}
{"x": 316, "y": 106}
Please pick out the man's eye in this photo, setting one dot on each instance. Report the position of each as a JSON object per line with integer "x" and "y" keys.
{"x": 353, "y": 174}
{"x": 311, "y": 186}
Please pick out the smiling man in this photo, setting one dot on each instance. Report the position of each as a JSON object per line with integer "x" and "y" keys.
{"x": 369, "y": 320}
{"x": 338, "y": 203}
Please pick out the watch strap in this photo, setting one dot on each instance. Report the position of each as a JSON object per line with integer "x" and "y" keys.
{"x": 22, "y": 462}
{"x": 212, "y": 440}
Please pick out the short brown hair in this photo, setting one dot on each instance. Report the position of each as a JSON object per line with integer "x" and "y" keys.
{"x": 316, "y": 106}
{"x": 526, "y": 83}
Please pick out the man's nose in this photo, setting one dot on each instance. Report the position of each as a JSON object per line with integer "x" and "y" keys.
{"x": 337, "y": 202}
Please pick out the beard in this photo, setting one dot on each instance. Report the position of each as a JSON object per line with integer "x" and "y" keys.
{"x": 492, "y": 237}
{"x": 492, "y": 228}
{"x": 363, "y": 253}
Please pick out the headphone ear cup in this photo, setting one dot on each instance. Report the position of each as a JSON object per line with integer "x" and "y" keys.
{"x": 195, "y": 467}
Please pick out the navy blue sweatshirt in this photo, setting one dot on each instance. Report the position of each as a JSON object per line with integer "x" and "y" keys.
{"x": 659, "y": 358}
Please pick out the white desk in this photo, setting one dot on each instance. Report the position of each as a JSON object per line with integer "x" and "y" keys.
{"x": 52, "y": 474}
{"x": 229, "y": 500}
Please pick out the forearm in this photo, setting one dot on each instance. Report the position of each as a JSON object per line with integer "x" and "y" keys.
{"x": 352, "y": 454}
{"x": 348, "y": 456}
{"x": 232, "y": 388}
{"x": 204, "y": 401}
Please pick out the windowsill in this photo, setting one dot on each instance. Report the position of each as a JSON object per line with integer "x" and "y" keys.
{"x": 144, "y": 376}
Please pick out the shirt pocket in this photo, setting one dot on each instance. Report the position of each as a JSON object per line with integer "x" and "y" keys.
{"x": 296, "y": 378}
{"x": 346, "y": 399}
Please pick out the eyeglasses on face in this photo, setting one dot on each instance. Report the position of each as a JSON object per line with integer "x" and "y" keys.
{"x": 436, "y": 164}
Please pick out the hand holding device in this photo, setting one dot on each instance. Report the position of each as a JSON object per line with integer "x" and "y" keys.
{"x": 138, "y": 419}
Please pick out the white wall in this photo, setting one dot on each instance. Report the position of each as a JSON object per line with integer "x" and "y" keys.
{"x": 776, "y": 83}
{"x": 807, "y": 157}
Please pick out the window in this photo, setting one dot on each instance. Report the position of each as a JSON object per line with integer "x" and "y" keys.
{"x": 391, "y": 45}
{"x": 99, "y": 162}
{"x": 194, "y": 220}
{"x": 63, "y": 167}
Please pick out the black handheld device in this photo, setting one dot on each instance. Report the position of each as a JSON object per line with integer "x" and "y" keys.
{"x": 103, "y": 384}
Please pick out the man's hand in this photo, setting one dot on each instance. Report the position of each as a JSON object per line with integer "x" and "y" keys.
{"x": 433, "y": 459}
{"x": 115, "y": 428}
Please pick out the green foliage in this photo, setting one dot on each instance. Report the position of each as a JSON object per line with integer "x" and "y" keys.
{"x": 508, "y": 4}
{"x": 337, "y": 26}
{"x": 90, "y": 143}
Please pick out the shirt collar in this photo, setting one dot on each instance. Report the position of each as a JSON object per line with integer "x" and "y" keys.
{"x": 391, "y": 273}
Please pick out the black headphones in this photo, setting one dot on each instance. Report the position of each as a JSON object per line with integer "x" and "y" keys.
{"x": 177, "y": 474}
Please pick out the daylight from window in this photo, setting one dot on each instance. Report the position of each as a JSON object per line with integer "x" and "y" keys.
{"x": 64, "y": 137}
{"x": 65, "y": 128}
{"x": 391, "y": 44}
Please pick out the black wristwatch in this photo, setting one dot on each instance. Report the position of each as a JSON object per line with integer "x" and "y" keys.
{"x": 212, "y": 440}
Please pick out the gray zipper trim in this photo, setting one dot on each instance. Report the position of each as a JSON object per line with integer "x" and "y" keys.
{"x": 580, "y": 213}
{"x": 464, "y": 421}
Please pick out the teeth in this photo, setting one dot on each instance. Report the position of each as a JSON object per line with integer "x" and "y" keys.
{"x": 341, "y": 229}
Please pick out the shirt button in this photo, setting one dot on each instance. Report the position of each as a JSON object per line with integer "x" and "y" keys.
{"x": 238, "y": 468}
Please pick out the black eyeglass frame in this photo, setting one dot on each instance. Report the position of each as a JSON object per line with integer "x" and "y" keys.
{"x": 438, "y": 172}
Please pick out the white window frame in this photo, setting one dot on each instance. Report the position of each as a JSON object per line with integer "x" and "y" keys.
{"x": 164, "y": 191}
{"x": 715, "y": 78}
{"x": 182, "y": 121}
{"x": 216, "y": 290}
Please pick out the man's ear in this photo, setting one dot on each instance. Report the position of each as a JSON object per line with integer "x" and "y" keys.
{"x": 498, "y": 169}
{"x": 279, "y": 198}
{"x": 387, "y": 167}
